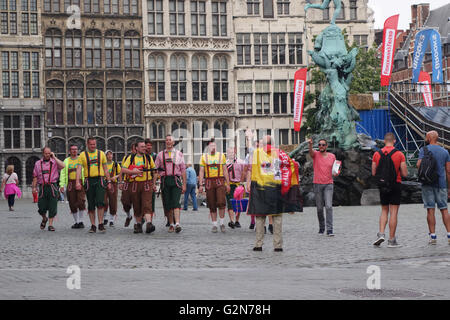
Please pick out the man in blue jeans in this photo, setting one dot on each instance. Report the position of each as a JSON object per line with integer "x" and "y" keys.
{"x": 191, "y": 187}
{"x": 439, "y": 192}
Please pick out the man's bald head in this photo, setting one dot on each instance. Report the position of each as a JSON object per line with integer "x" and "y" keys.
{"x": 432, "y": 136}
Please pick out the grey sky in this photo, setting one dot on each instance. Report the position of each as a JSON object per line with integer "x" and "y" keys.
{"x": 385, "y": 8}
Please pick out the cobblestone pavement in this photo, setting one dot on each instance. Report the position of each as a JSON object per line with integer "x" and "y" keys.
{"x": 197, "y": 264}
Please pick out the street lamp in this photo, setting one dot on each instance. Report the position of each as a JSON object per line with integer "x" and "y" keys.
{"x": 49, "y": 133}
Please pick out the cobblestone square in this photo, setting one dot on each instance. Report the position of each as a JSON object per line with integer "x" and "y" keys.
{"x": 197, "y": 264}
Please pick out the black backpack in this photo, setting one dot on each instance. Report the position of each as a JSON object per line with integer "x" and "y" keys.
{"x": 386, "y": 175}
{"x": 427, "y": 173}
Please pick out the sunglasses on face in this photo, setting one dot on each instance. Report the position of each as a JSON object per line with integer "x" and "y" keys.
{"x": 322, "y": 145}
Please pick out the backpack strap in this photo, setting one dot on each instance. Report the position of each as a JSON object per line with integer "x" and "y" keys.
{"x": 98, "y": 163}
{"x": 88, "y": 163}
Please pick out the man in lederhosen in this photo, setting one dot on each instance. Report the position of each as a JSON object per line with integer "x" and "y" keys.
{"x": 235, "y": 172}
{"x": 124, "y": 184}
{"x": 111, "y": 194}
{"x": 149, "y": 217}
{"x": 172, "y": 169}
{"x": 76, "y": 198}
{"x": 96, "y": 182}
{"x": 46, "y": 174}
{"x": 139, "y": 167}
{"x": 216, "y": 183}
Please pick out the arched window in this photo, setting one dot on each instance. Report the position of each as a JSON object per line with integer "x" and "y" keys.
{"x": 58, "y": 146}
{"x": 132, "y": 140}
{"x": 112, "y": 49}
{"x": 158, "y": 135}
{"x": 17, "y": 166}
{"x": 156, "y": 76}
{"x": 132, "y": 47}
{"x": 94, "y": 108}
{"x": 117, "y": 146}
{"x": 79, "y": 142}
{"x": 68, "y": 3}
{"x": 201, "y": 136}
{"x": 220, "y": 78}
{"x": 53, "y": 48}
{"x": 93, "y": 49}
{"x": 29, "y": 167}
{"x": 54, "y": 97}
{"x": 221, "y": 132}
{"x": 73, "y": 48}
{"x": 178, "y": 78}
{"x": 74, "y": 102}
{"x": 179, "y": 129}
{"x": 133, "y": 96}
{"x": 341, "y": 15}
{"x": 114, "y": 102}
{"x": 199, "y": 78}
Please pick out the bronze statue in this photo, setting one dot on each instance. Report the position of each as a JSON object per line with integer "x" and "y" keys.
{"x": 325, "y": 4}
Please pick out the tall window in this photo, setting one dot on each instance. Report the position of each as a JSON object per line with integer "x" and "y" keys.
{"x": 253, "y": 7}
{"x": 51, "y": 6}
{"x": 112, "y": 49}
{"x": 245, "y": 97}
{"x": 261, "y": 48}
{"x": 268, "y": 8}
{"x": 243, "y": 48}
{"x": 53, "y": 48}
{"x": 74, "y": 102}
{"x": 11, "y": 127}
{"x": 283, "y": 7}
{"x": 361, "y": 41}
{"x": 295, "y": 48}
{"x": 4, "y": 22}
{"x": 133, "y": 98}
{"x": 199, "y": 78}
{"x": 114, "y": 102}
{"x": 68, "y": 3}
{"x": 262, "y": 97}
{"x": 32, "y": 131}
{"x": 30, "y": 67}
{"x": 198, "y": 18}
{"x": 178, "y": 78}
{"x": 220, "y": 78}
{"x": 35, "y": 74}
{"x": 155, "y": 15}
{"x": 73, "y": 49}
{"x": 117, "y": 146}
{"x": 158, "y": 135}
{"x": 283, "y": 136}
{"x": 91, "y": 6}
{"x": 27, "y": 15}
{"x": 10, "y": 74}
{"x": 222, "y": 127}
{"x": 132, "y": 50}
{"x": 54, "y": 97}
{"x": 94, "y": 107}
{"x": 353, "y": 10}
{"x": 219, "y": 18}
{"x": 111, "y": 6}
{"x": 176, "y": 17}
{"x": 326, "y": 13}
{"x": 341, "y": 15}
{"x": 278, "y": 48}
{"x": 93, "y": 51}
{"x": 200, "y": 135}
{"x": 130, "y": 7}
{"x": 156, "y": 75}
{"x": 280, "y": 97}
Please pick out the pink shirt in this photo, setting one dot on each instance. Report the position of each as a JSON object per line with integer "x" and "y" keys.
{"x": 177, "y": 159}
{"x": 37, "y": 172}
{"x": 235, "y": 170}
{"x": 323, "y": 168}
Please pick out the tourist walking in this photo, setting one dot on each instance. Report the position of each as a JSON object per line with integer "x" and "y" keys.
{"x": 45, "y": 179}
{"x": 191, "y": 188}
{"x": 434, "y": 170}
{"x": 149, "y": 151}
{"x": 323, "y": 162}
{"x": 124, "y": 185}
{"x": 111, "y": 194}
{"x": 388, "y": 167}
{"x": 10, "y": 186}
{"x": 96, "y": 181}
{"x": 214, "y": 178}
{"x": 67, "y": 182}
{"x": 235, "y": 169}
{"x": 172, "y": 170}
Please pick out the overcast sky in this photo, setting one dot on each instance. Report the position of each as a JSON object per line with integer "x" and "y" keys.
{"x": 385, "y": 8}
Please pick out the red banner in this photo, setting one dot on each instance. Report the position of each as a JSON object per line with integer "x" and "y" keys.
{"x": 299, "y": 96}
{"x": 387, "y": 57}
{"x": 425, "y": 86}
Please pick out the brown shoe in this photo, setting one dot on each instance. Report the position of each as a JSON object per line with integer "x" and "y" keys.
{"x": 127, "y": 221}
{"x": 138, "y": 228}
{"x": 178, "y": 228}
{"x": 171, "y": 229}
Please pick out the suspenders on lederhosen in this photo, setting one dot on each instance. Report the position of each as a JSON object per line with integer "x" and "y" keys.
{"x": 52, "y": 187}
{"x": 88, "y": 161}
{"x": 69, "y": 185}
{"x": 218, "y": 179}
{"x": 147, "y": 185}
{"x": 177, "y": 178}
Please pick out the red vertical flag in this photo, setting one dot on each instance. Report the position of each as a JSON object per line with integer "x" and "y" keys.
{"x": 299, "y": 96}
{"x": 425, "y": 81}
{"x": 387, "y": 57}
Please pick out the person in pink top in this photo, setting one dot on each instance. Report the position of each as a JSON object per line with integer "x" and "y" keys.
{"x": 235, "y": 172}
{"x": 172, "y": 169}
{"x": 45, "y": 176}
{"x": 323, "y": 184}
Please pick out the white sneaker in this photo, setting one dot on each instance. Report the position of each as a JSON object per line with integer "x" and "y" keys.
{"x": 393, "y": 243}
{"x": 433, "y": 240}
{"x": 380, "y": 239}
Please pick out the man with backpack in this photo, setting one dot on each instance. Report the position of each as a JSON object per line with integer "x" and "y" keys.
{"x": 434, "y": 167}
{"x": 111, "y": 195}
{"x": 388, "y": 167}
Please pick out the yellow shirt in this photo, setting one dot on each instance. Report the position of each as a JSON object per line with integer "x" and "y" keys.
{"x": 73, "y": 164}
{"x": 219, "y": 162}
{"x": 94, "y": 171}
{"x": 110, "y": 166}
{"x": 265, "y": 168}
{"x": 141, "y": 161}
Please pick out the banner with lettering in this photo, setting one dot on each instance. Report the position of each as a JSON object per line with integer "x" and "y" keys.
{"x": 425, "y": 81}
{"x": 423, "y": 38}
{"x": 387, "y": 58}
{"x": 299, "y": 96}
